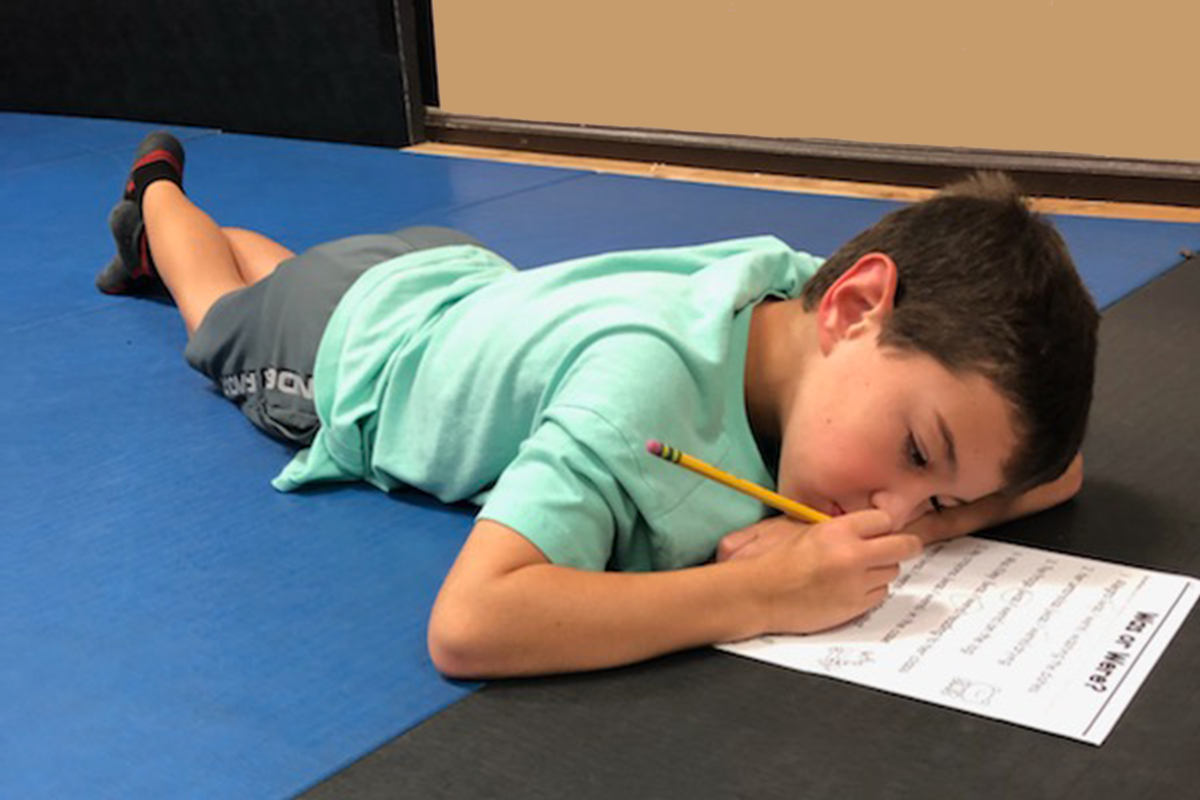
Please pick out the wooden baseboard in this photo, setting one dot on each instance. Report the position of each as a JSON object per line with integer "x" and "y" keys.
{"x": 1055, "y": 174}
{"x": 791, "y": 183}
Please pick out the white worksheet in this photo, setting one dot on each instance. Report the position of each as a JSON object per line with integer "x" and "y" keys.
{"x": 1049, "y": 641}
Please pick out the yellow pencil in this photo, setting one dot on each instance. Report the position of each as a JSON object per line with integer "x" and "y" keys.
{"x": 777, "y": 501}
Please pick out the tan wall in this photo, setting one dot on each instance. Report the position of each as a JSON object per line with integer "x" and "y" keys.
{"x": 1104, "y": 77}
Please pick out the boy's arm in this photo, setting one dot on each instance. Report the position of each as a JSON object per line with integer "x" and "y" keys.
{"x": 504, "y": 610}
{"x": 996, "y": 509}
{"x": 931, "y": 527}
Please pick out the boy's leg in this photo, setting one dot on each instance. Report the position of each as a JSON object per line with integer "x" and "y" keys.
{"x": 191, "y": 255}
{"x": 197, "y": 262}
{"x": 257, "y": 256}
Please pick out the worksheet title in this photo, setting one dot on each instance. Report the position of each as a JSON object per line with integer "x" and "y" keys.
{"x": 1118, "y": 658}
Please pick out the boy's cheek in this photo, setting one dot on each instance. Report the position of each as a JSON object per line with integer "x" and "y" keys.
{"x": 840, "y": 478}
{"x": 789, "y": 484}
{"x": 837, "y": 463}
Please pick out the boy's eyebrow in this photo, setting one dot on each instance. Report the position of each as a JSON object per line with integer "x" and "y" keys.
{"x": 948, "y": 441}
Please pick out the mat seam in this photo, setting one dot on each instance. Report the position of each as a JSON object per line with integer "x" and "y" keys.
{"x": 89, "y": 153}
{"x": 506, "y": 195}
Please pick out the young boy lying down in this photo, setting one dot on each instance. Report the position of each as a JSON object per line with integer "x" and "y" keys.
{"x": 931, "y": 378}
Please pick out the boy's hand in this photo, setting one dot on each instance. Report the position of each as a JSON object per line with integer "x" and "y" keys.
{"x": 828, "y": 573}
{"x": 759, "y": 537}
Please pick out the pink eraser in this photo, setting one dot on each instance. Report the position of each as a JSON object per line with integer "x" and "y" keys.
{"x": 655, "y": 447}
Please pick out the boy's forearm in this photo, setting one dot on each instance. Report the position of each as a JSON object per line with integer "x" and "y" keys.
{"x": 544, "y": 618}
{"x": 997, "y": 509}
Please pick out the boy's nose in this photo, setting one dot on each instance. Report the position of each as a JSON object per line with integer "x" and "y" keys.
{"x": 902, "y": 507}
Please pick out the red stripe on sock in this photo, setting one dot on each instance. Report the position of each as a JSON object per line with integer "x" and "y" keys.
{"x": 159, "y": 155}
{"x": 143, "y": 265}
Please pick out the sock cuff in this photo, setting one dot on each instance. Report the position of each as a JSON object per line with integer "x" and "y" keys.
{"x": 161, "y": 154}
{"x": 156, "y": 165}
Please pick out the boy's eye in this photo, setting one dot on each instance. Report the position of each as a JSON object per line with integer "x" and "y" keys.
{"x": 915, "y": 456}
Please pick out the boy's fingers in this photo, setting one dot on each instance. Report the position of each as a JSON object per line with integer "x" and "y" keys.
{"x": 864, "y": 524}
{"x": 882, "y": 576}
{"x": 732, "y": 543}
{"x": 882, "y": 551}
{"x": 876, "y": 596}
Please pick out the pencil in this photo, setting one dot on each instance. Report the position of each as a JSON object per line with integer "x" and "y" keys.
{"x": 776, "y": 501}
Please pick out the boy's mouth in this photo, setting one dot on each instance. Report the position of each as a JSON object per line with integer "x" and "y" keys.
{"x": 837, "y": 510}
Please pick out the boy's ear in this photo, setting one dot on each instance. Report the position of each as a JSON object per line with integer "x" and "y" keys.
{"x": 858, "y": 302}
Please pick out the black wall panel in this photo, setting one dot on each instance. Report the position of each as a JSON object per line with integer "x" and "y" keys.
{"x": 340, "y": 70}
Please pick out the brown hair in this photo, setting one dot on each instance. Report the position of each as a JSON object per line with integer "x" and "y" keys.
{"x": 987, "y": 286}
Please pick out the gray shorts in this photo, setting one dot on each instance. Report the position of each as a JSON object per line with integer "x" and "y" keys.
{"x": 260, "y": 343}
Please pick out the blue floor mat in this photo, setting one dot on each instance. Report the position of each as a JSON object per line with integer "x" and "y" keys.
{"x": 170, "y": 626}
{"x": 606, "y": 212}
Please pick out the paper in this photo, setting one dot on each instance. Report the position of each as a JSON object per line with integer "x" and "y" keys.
{"x": 1049, "y": 641}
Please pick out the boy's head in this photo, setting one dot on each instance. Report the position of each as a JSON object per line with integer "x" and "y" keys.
{"x": 987, "y": 288}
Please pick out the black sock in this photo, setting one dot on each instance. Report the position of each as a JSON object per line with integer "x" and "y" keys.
{"x": 156, "y": 165}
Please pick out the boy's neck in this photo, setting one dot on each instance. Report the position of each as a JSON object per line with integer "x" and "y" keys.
{"x": 782, "y": 343}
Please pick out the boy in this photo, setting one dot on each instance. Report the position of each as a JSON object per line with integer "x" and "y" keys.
{"x": 933, "y": 377}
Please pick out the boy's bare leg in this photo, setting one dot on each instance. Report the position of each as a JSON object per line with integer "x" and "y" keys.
{"x": 257, "y": 256}
{"x": 196, "y": 259}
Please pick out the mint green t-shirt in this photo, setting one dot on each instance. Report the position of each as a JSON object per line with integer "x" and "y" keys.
{"x": 533, "y": 393}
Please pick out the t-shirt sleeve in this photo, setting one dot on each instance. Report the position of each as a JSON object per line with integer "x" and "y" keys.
{"x": 562, "y": 495}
